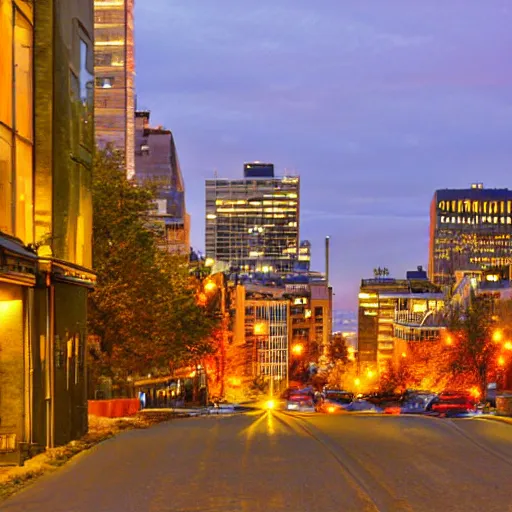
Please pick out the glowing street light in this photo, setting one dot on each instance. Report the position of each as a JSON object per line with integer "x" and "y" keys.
{"x": 449, "y": 340}
{"x": 404, "y": 355}
{"x": 210, "y": 287}
{"x": 369, "y": 373}
{"x": 501, "y": 361}
{"x": 297, "y": 349}
{"x": 508, "y": 345}
{"x": 497, "y": 336}
{"x": 357, "y": 381}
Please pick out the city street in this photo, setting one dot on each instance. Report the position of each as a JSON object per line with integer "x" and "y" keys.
{"x": 273, "y": 461}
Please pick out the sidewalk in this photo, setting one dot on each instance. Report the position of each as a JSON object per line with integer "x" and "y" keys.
{"x": 493, "y": 417}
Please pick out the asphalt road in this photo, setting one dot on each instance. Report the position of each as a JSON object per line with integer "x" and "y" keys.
{"x": 278, "y": 462}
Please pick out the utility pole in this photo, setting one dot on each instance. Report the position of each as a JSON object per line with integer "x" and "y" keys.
{"x": 327, "y": 241}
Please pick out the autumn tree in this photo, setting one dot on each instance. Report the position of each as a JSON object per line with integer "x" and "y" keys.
{"x": 144, "y": 310}
{"x": 473, "y": 353}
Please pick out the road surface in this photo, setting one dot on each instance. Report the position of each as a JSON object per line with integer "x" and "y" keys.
{"x": 272, "y": 461}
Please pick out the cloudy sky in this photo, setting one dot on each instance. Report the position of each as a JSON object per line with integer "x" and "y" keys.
{"x": 375, "y": 104}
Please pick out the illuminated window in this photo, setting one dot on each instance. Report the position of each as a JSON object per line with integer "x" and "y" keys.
{"x": 5, "y": 180}
{"x": 6, "y": 78}
{"x": 106, "y": 82}
{"x": 23, "y": 65}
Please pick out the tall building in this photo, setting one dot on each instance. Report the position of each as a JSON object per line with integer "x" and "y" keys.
{"x": 470, "y": 229}
{"x": 252, "y": 224}
{"x": 156, "y": 161}
{"x": 261, "y": 333}
{"x": 114, "y": 69}
{"x": 389, "y": 307}
{"x": 46, "y": 83}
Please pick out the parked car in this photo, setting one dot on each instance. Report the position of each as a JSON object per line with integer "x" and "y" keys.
{"x": 453, "y": 403}
{"x": 417, "y": 402}
{"x": 334, "y": 400}
{"x": 300, "y": 400}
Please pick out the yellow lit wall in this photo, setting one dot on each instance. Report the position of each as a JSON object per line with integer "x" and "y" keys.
{"x": 16, "y": 114}
{"x": 11, "y": 360}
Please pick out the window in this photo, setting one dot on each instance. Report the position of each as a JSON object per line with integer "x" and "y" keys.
{"x": 86, "y": 97}
{"x": 23, "y": 65}
{"x": 24, "y": 219}
{"x": 106, "y": 82}
{"x": 6, "y": 78}
{"x": 5, "y": 180}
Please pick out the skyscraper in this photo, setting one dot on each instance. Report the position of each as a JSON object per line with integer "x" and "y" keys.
{"x": 252, "y": 224}
{"x": 470, "y": 229}
{"x": 114, "y": 67}
{"x": 156, "y": 161}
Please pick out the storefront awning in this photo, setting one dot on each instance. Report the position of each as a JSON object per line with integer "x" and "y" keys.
{"x": 18, "y": 265}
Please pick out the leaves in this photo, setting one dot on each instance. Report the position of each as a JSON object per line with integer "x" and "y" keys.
{"x": 144, "y": 308}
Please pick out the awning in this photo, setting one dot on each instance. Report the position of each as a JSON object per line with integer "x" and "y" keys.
{"x": 18, "y": 264}
{"x": 66, "y": 272}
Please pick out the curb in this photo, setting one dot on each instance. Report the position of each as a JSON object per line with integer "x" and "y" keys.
{"x": 499, "y": 419}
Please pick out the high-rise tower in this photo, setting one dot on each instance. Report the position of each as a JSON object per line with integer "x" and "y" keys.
{"x": 114, "y": 67}
{"x": 252, "y": 224}
{"x": 470, "y": 229}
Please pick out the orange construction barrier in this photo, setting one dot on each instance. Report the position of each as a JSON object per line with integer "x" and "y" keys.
{"x": 115, "y": 408}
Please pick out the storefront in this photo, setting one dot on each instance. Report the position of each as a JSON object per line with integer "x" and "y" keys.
{"x": 17, "y": 280}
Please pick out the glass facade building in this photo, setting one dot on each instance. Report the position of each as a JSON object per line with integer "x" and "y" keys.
{"x": 114, "y": 67}
{"x": 253, "y": 224}
{"x": 156, "y": 162}
{"x": 470, "y": 229}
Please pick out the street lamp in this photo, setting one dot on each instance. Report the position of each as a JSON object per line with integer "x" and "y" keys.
{"x": 497, "y": 336}
{"x": 297, "y": 349}
{"x": 210, "y": 287}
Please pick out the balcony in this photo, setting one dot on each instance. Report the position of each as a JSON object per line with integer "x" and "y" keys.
{"x": 423, "y": 319}
{"x": 424, "y": 326}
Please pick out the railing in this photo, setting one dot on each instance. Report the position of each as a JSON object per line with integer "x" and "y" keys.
{"x": 409, "y": 318}
{"x": 425, "y": 320}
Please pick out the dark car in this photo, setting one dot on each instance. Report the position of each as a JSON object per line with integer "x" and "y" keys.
{"x": 334, "y": 400}
{"x": 453, "y": 403}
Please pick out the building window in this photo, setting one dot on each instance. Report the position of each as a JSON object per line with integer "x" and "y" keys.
{"x": 86, "y": 97}
{"x": 5, "y": 179}
{"x": 105, "y": 82}
{"x": 23, "y": 44}
{"x": 6, "y": 78}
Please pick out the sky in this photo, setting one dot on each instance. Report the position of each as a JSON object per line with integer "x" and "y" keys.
{"x": 375, "y": 104}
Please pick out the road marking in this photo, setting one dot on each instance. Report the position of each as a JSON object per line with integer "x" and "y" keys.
{"x": 351, "y": 470}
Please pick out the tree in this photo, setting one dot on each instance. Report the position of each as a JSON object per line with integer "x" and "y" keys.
{"x": 338, "y": 350}
{"x": 472, "y": 351}
{"x": 144, "y": 309}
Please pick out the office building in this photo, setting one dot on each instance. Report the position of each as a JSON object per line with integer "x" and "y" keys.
{"x": 252, "y": 224}
{"x": 261, "y": 335}
{"x": 156, "y": 162}
{"x": 114, "y": 69}
{"x": 470, "y": 229}
{"x": 391, "y": 307}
